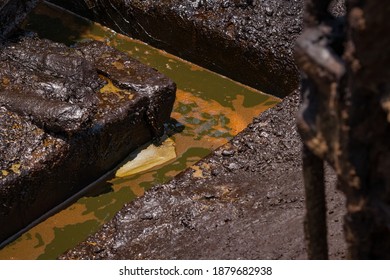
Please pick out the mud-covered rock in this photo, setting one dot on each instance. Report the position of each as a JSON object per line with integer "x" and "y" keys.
{"x": 63, "y": 124}
{"x": 119, "y": 68}
{"x": 48, "y": 83}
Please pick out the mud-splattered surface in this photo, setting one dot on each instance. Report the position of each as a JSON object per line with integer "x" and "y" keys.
{"x": 244, "y": 202}
{"x": 209, "y": 111}
{"x": 253, "y": 36}
{"x": 86, "y": 132}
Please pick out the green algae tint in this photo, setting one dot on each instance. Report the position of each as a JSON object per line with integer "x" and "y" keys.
{"x": 209, "y": 110}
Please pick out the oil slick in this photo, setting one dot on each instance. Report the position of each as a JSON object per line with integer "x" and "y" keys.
{"x": 145, "y": 159}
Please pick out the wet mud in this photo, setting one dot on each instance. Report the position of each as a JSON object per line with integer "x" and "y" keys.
{"x": 253, "y": 36}
{"x": 245, "y": 201}
{"x": 48, "y": 83}
{"x": 61, "y": 127}
{"x": 209, "y": 110}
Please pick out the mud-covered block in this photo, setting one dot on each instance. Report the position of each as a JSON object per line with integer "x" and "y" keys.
{"x": 68, "y": 116}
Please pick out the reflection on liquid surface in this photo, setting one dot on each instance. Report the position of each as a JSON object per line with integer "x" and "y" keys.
{"x": 209, "y": 111}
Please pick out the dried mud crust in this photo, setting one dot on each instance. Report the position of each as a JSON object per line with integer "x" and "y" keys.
{"x": 245, "y": 201}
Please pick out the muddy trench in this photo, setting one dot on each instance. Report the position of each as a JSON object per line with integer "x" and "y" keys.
{"x": 227, "y": 180}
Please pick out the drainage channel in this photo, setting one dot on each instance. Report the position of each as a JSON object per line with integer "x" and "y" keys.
{"x": 209, "y": 110}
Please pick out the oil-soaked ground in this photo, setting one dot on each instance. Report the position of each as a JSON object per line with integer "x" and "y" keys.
{"x": 209, "y": 111}
{"x": 245, "y": 201}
